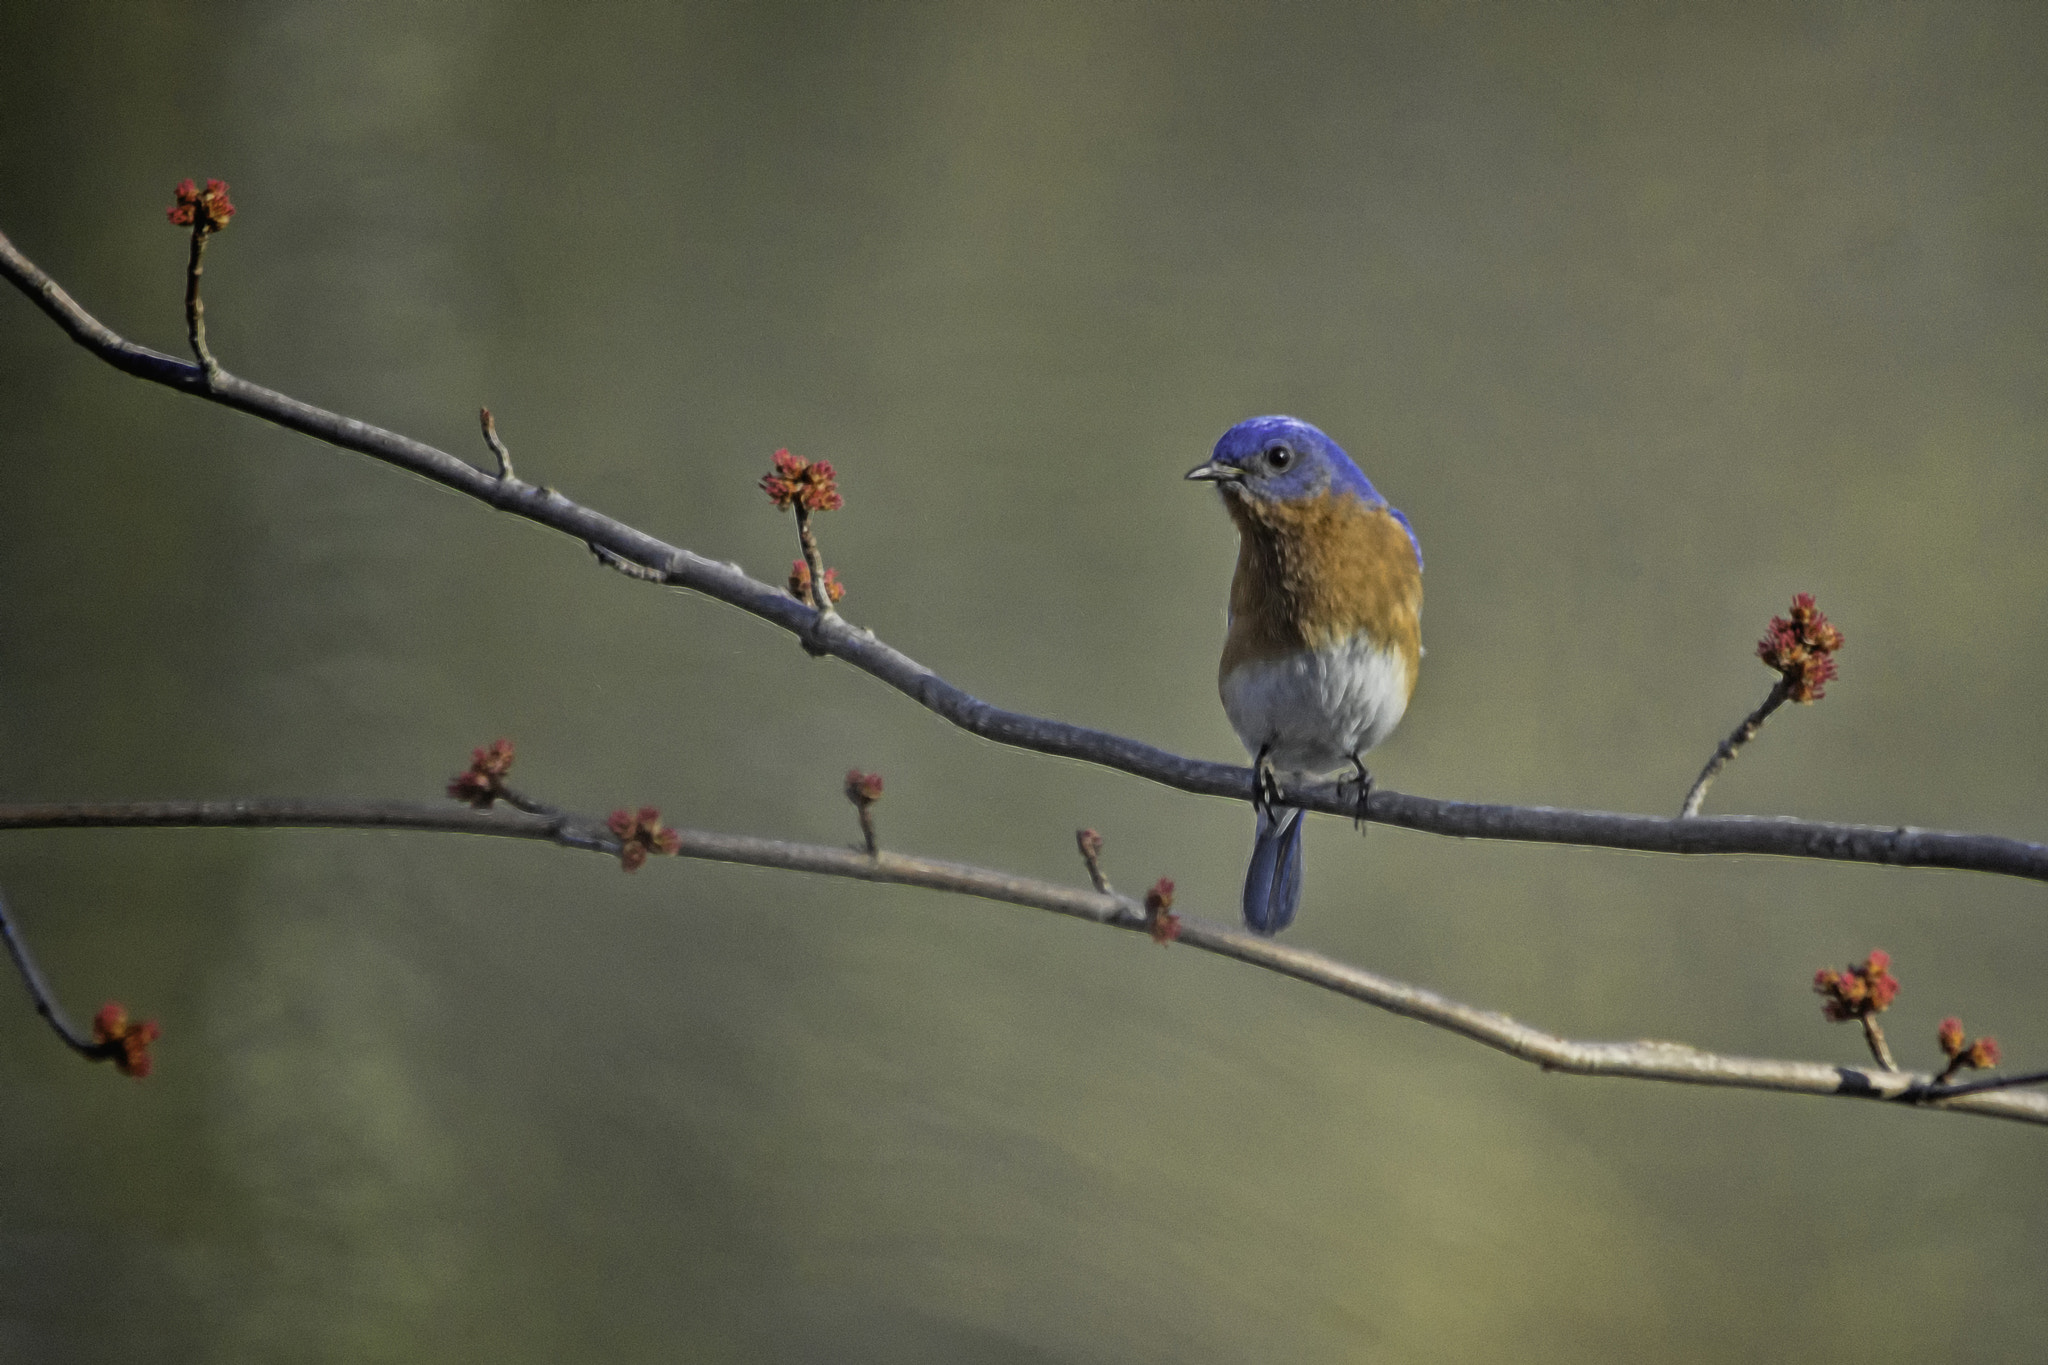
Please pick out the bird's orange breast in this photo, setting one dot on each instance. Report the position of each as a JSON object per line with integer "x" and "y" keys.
{"x": 1317, "y": 571}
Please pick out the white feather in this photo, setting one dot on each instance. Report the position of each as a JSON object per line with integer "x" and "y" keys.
{"x": 1317, "y": 708}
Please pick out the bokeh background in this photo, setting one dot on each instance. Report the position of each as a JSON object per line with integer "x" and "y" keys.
{"x": 1648, "y": 315}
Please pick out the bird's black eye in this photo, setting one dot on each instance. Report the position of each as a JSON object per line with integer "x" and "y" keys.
{"x": 1279, "y": 458}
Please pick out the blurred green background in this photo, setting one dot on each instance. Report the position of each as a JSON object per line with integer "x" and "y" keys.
{"x": 1648, "y": 315}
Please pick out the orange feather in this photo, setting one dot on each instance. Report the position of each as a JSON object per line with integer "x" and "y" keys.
{"x": 1317, "y": 571}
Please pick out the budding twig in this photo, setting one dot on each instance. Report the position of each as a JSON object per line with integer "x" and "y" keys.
{"x": 115, "y": 1037}
{"x": 864, "y": 789}
{"x": 206, "y": 211}
{"x": 1861, "y": 992}
{"x": 1090, "y": 844}
{"x": 497, "y": 445}
{"x": 807, "y": 486}
{"x": 1800, "y": 648}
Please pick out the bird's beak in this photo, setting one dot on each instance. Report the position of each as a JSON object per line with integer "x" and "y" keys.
{"x": 1216, "y": 473}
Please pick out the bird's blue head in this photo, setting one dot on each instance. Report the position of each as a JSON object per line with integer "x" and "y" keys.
{"x": 1284, "y": 459}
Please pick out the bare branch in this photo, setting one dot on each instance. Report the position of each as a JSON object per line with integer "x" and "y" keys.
{"x": 39, "y": 989}
{"x": 1895, "y": 846}
{"x": 1645, "y": 1060}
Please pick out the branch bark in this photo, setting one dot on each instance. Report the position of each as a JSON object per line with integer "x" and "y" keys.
{"x": 1642, "y": 1060}
{"x": 830, "y": 633}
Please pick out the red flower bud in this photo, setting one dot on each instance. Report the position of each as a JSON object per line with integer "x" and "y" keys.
{"x": 1801, "y": 648}
{"x": 800, "y": 583}
{"x": 641, "y": 833}
{"x": 1160, "y": 921}
{"x": 483, "y": 781}
{"x": 1865, "y": 989}
{"x": 125, "y": 1041}
{"x": 797, "y": 482}
{"x": 209, "y": 208}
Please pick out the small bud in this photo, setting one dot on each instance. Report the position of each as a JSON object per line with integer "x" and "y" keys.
{"x": 1950, "y": 1036}
{"x": 1861, "y": 991}
{"x": 483, "y": 781}
{"x": 125, "y": 1041}
{"x": 1160, "y": 921}
{"x": 1984, "y": 1054}
{"x": 209, "y": 208}
{"x": 797, "y": 482}
{"x": 641, "y": 833}
{"x": 1090, "y": 844}
{"x": 1801, "y": 648}
{"x": 800, "y": 583}
{"x": 863, "y": 789}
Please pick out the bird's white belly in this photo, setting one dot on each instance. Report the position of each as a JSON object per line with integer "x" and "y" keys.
{"x": 1317, "y": 708}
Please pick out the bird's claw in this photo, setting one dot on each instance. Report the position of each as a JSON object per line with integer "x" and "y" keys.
{"x": 1265, "y": 782}
{"x": 1362, "y": 812}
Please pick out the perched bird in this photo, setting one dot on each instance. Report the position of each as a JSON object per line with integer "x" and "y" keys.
{"x": 1325, "y": 630}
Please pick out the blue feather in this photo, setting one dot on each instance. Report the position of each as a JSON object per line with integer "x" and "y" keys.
{"x": 1272, "y": 884}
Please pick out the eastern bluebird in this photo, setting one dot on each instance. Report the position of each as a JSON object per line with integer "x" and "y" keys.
{"x": 1325, "y": 630}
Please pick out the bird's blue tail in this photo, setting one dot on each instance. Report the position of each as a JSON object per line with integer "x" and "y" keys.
{"x": 1272, "y": 884}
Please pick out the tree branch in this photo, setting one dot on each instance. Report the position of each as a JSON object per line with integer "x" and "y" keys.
{"x": 1644, "y": 1060}
{"x": 620, "y": 545}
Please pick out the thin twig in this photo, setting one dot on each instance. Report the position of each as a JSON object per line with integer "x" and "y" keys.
{"x": 195, "y": 307}
{"x": 497, "y": 445}
{"x": 1090, "y": 844}
{"x": 1647, "y": 1060}
{"x": 1940, "y": 1091}
{"x": 1730, "y": 747}
{"x": 1896, "y": 846}
{"x": 39, "y": 989}
{"x": 821, "y": 593}
{"x": 1874, "y": 1035}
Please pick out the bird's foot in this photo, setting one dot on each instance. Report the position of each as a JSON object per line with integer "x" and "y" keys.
{"x": 1362, "y": 812}
{"x": 1265, "y": 782}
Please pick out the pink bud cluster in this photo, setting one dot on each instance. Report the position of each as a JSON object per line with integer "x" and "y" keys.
{"x": 1801, "y": 648}
{"x": 208, "y": 209}
{"x": 641, "y": 833}
{"x": 1858, "y": 992}
{"x": 483, "y": 781}
{"x": 800, "y": 583}
{"x": 1964, "y": 1053}
{"x": 1160, "y": 921}
{"x": 126, "y": 1041}
{"x": 797, "y": 482}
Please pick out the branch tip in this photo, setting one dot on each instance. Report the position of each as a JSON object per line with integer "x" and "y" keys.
{"x": 1090, "y": 844}
{"x": 497, "y": 445}
{"x": 863, "y": 790}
